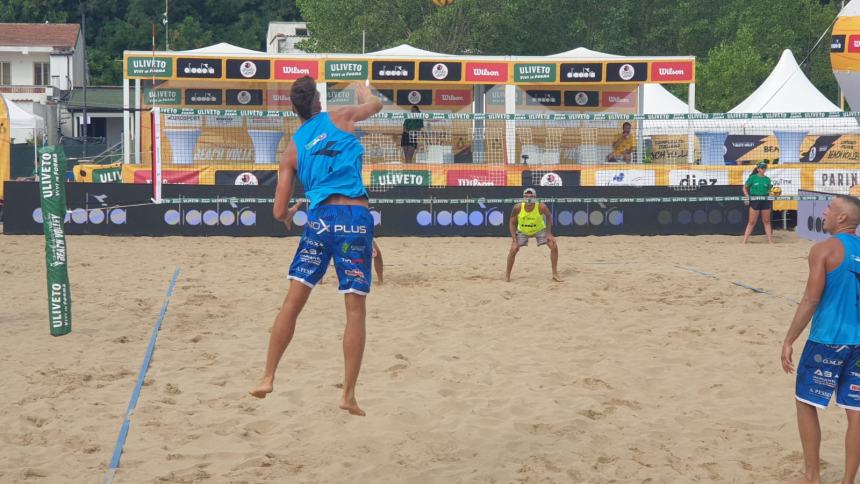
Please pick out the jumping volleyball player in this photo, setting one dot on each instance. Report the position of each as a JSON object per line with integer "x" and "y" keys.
{"x": 327, "y": 158}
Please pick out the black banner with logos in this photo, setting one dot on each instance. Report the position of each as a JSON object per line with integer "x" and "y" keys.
{"x": 98, "y": 209}
{"x": 549, "y": 178}
{"x": 245, "y": 177}
{"x": 626, "y": 71}
{"x": 414, "y": 97}
{"x": 587, "y": 99}
{"x": 203, "y": 97}
{"x": 440, "y": 71}
{"x": 198, "y": 68}
{"x": 244, "y": 97}
{"x": 543, "y": 98}
{"x": 392, "y": 71}
{"x": 248, "y": 69}
{"x": 581, "y": 72}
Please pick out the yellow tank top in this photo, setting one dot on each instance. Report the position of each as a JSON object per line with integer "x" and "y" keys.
{"x": 530, "y": 223}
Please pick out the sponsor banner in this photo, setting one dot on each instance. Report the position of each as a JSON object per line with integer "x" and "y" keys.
{"x": 108, "y": 174}
{"x": 488, "y": 72}
{"x": 161, "y": 97}
{"x": 672, "y": 71}
{"x": 836, "y": 181}
{"x": 278, "y": 97}
{"x": 582, "y": 99}
{"x": 543, "y": 98}
{"x": 625, "y": 178}
{"x": 854, "y": 43}
{"x": 246, "y": 178}
{"x": 203, "y": 97}
{"x": 392, "y": 71}
{"x": 247, "y": 69}
{"x": 740, "y": 148}
{"x": 626, "y": 71}
{"x": 182, "y": 177}
{"x": 244, "y": 97}
{"x": 289, "y": 70}
{"x": 619, "y": 99}
{"x": 384, "y": 95}
{"x": 440, "y": 71}
{"x": 832, "y": 149}
{"x": 52, "y": 201}
{"x": 223, "y": 121}
{"x": 413, "y": 178}
{"x": 698, "y": 178}
{"x": 582, "y": 72}
{"x": 198, "y": 68}
{"x": 837, "y": 44}
{"x": 787, "y": 179}
{"x": 476, "y": 178}
{"x": 669, "y": 149}
{"x": 544, "y": 72}
{"x": 810, "y": 217}
{"x": 414, "y": 97}
{"x": 247, "y": 211}
{"x": 345, "y": 70}
{"x": 558, "y": 178}
{"x": 149, "y": 67}
{"x": 452, "y": 97}
{"x": 341, "y": 97}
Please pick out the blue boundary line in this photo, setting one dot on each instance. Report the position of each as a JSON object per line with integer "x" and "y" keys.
{"x": 123, "y": 430}
{"x": 737, "y": 283}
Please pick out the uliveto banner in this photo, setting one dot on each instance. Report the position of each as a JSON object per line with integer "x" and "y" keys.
{"x": 52, "y": 196}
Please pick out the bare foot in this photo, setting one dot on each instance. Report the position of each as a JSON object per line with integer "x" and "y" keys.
{"x": 263, "y": 389}
{"x": 507, "y": 278}
{"x": 351, "y": 406}
{"x": 803, "y": 480}
{"x": 557, "y": 278}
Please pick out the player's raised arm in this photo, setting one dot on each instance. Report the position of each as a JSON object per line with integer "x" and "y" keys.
{"x": 286, "y": 179}
{"x": 369, "y": 105}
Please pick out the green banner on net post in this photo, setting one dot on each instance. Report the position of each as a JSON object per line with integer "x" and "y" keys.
{"x": 52, "y": 193}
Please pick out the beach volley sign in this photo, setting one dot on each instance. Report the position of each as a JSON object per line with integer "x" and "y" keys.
{"x": 52, "y": 196}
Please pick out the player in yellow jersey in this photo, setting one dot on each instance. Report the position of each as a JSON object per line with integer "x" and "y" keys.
{"x": 531, "y": 219}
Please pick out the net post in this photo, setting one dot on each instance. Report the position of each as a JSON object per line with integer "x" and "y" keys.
{"x": 156, "y": 155}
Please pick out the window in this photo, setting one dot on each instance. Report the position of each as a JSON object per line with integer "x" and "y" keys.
{"x": 5, "y": 73}
{"x": 282, "y": 45}
{"x": 300, "y": 32}
{"x": 41, "y": 74}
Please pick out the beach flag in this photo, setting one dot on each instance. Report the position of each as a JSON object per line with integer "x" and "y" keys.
{"x": 52, "y": 194}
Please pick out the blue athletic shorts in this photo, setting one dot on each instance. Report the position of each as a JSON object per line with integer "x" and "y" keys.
{"x": 823, "y": 369}
{"x": 344, "y": 232}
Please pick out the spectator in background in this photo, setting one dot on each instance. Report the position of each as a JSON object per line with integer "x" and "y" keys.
{"x": 758, "y": 185}
{"x": 409, "y": 138}
{"x": 623, "y": 146}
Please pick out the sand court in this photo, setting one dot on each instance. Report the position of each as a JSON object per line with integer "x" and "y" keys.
{"x": 632, "y": 370}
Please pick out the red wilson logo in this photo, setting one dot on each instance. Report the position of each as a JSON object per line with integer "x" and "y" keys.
{"x": 854, "y": 43}
{"x": 483, "y": 71}
{"x": 452, "y": 97}
{"x": 292, "y": 70}
{"x": 671, "y": 71}
{"x": 623, "y": 99}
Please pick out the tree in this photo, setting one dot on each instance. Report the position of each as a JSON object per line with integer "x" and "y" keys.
{"x": 733, "y": 70}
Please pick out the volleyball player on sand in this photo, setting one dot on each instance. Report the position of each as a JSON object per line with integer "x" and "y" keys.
{"x": 327, "y": 158}
{"x": 531, "y": 219}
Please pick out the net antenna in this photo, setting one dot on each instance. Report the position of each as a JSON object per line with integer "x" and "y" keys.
{"x": 156, "y": 155}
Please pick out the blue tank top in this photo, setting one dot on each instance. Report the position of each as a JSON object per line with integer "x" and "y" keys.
{"x": 329, "y": 160}
{"x": 837, "y": 319}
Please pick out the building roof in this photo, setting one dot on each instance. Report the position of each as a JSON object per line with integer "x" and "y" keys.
{"x": 98, "y": 99}
{"x": 58, "y": 36}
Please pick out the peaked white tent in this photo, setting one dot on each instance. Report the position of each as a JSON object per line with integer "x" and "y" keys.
{"x": 23, "y": 125}
{"x": 222, "y": 49}
{"x": 786, "y": 90}
{"x": 405, "y": 50}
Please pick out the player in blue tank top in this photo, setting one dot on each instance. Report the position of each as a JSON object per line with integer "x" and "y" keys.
{"x": 326, "y": 157}
{"x": 830, "y": 362}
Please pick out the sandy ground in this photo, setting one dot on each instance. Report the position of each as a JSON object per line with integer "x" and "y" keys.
{"x": 632, "y": 370}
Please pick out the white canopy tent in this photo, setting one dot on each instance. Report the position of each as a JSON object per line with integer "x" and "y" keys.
{"x": 24, "y": 125}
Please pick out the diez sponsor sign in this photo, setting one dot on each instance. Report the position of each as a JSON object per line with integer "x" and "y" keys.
{"x": 150, "y": 67}
{"x": 278, "y": 97}
{"x": 534, "y": 73}
{"x": 698, "y": 178}
{"x": 476, "y": 178}
{"x": 203, "y": 97}
{"x": 451, "y": 97}
{"x": 180, "y": 177}
{"x": 346, "y": 70}
{"x": 836, "y": 181}
{"x": 582, "y": 72}
{"x": 585, "y": 99}
{"x": 628, "y": 178}
{"x": 486, "y": 72}
{"x": 414, "y": 97}
{"x": 854, "y": 43}
{"x": 440, "y": 71}
{"x": 198, "y": 68}
{"x": 543, "y": 98}
{"x": 619, "y": 99}
{"x": 672, "y": 71}
{"x": 626, "y": 71}
{"x": 392, "y": 71}
{"x": 291, "y": 70}
{"x": 247, "y": 69}
{"x": 837, "y": 43}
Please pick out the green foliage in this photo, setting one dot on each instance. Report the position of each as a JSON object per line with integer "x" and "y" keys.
{"x": 736, "y": 42}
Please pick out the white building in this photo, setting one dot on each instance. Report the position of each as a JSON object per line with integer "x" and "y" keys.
{"x": 282, "y": 37}
{"x": 40, "y": 62}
